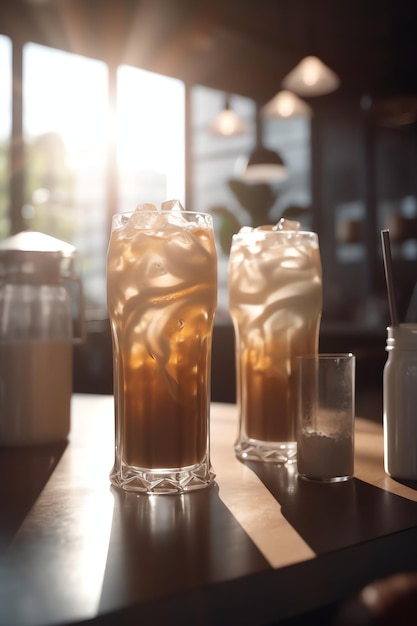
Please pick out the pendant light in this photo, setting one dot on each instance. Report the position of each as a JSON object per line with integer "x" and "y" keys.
{"x": 227, "y": 123}
{"x": 311, "y": 77}
{"x": 285, "y": 104}
{"x": 263, "y": 165}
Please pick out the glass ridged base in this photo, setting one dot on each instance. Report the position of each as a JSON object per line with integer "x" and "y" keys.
{"x": 167, "y": 481}
{"x": 266, "y": 451}
{"x": 325, "y": 479}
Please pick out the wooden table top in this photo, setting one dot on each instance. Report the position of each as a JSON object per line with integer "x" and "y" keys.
{"x": 260, "y": 546}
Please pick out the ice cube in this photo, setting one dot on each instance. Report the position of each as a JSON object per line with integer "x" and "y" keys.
{"x": 284, "y": 224}
{"x": 245, "y": 229}
{"x": 148, "y": 216}
{"x": 143, "y": 216}
{"x": 172, "y": 205}
{"x": 145, "y": 207}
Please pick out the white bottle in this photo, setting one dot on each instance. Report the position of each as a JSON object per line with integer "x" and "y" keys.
{"x": 400, "y": 403}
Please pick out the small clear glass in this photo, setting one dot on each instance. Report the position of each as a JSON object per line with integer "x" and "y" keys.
{"x": 325, "y": 424}
{"x": 162, "y": 296}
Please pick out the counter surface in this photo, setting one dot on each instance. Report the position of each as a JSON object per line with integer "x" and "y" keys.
{"x": 260, "y": 546}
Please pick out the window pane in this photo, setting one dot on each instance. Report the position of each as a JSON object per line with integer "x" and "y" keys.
{"x": 65, "y": 122}
{"x": 5, "y": 131}
{"x": 291, "y": 137}
{"x": 214, "y": 162}
{"x": 216, "y": 185}
{"x": 151, "y": 139}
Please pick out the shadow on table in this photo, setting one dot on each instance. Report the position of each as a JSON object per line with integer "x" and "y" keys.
{"x": 185, "y": 559}
{"x": 335, "y": 515}
{"x": 25, "y": 471}
{"x": 173, "y": 543}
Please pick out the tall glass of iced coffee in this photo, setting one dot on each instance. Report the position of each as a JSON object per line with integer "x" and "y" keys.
{"x": 162, "y": 295}
{"x": 275, "y": 291}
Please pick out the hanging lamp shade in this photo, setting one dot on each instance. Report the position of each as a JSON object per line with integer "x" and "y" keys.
{"x": 264, "y": 166}
{"x": 285, "y": 104}
{"x": 311, "y": 77}
{"x": 227, "y": 123}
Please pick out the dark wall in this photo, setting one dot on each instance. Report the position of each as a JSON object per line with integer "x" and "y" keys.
{"x": 363, "y": 172}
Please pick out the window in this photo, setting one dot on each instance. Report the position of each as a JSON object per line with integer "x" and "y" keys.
{"x": 151, "y": 138}
{"x": 214, "y": 160}
{"x": 5, "y": 130}
{"x": 65, "y": 121}
{"x": 67, "y": 126}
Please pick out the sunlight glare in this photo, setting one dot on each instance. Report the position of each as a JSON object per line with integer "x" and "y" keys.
{"x": 68, "y": 94}
{"x": 151, "y": 126}
{"x": 76, "y": 107}
{"x": 6, "y": 87}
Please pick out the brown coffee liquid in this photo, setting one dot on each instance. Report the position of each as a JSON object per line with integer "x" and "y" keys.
{"x": 35, "y": 391}
{"x": 165, "y": 420}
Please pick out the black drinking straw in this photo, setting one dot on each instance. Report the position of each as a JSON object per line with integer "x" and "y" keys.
{"x": 386, "y": 250}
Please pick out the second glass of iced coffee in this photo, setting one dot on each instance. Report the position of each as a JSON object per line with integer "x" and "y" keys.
{"x": 275, "y": 292}
{"x": 162, "y": 295}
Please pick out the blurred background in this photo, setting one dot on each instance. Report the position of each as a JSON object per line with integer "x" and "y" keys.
{"x": 105, "y": 104}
